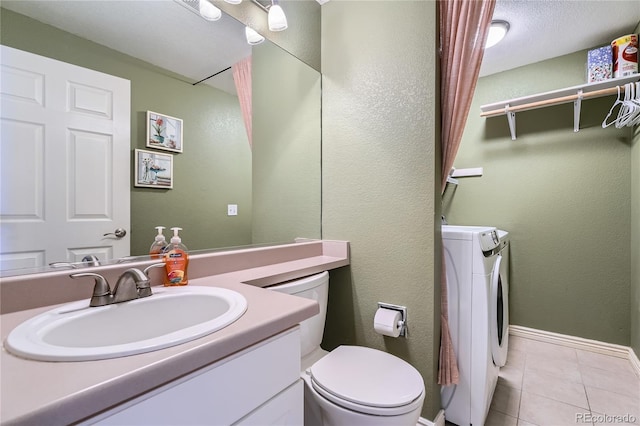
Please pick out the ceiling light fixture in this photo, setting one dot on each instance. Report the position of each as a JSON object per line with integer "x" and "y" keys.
{"x": 277, "y": 18}
{"x": 233, "y": 1}
{"x": 497, "y": 31}
{"x": 209, "y": 11}
{"x": 252, "y": 35}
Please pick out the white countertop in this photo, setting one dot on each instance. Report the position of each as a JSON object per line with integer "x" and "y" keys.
{"x": 36, "y": 392}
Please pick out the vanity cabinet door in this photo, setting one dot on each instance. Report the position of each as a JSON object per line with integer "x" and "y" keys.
{"x": 260, "y": 382}
{"x": 286, "y": 409}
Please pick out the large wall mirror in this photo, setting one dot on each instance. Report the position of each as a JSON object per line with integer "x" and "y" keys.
{"x": 164, "y": 48}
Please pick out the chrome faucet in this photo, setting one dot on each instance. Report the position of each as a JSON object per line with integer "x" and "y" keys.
{"x": 132, "y": 284}
{"x": 101, "y": 290}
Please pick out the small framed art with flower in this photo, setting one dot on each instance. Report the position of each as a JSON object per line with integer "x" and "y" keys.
{"x": 164, "y": 132}
{"x": 153, "y": 169}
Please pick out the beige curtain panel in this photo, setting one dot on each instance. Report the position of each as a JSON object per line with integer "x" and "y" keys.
{"x": 242, "y": 80}
{"x": 464, "y": 26}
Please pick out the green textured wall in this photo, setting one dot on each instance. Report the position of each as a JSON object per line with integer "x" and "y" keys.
{"x": 635, "y": 237}
{"x": 286, "y": 147}
{"x": 563, "y": 196}
{"x": 379, "y": 174}
{"x": 213, "y": 171}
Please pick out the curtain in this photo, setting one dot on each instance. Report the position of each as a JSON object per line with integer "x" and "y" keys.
{"x": 242, "y": 80}
{"x": 464, "y": 26}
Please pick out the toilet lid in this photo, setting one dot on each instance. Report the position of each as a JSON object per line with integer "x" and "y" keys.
{"x": 367, "y": 377}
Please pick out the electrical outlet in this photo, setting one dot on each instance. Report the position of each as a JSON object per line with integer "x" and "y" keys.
{"x": 232, "y": 210}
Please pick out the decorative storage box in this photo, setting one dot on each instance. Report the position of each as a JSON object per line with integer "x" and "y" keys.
{"x": 599, "y": 64}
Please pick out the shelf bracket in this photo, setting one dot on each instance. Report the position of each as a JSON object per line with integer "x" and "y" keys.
{"x": 577, "y": 104}
{"x": 452, "y": 181}
{"x": 511, "y": 117}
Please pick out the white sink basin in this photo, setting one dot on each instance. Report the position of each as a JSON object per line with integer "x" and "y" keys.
{"x": 171, "y": 316}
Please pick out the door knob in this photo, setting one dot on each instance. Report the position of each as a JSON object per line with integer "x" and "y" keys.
{"x": 119, "y": 233}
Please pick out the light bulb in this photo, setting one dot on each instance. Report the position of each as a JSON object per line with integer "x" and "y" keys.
{"x": 209, "y": 11}
{"x": 497, "y": 31}
{"x": 253, "y": 37}
{"x": 277, "y": 18}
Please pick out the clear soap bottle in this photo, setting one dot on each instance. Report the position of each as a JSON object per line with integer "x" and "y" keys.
{"x": 158, "y": 245}
{"x": 176, "y": 261}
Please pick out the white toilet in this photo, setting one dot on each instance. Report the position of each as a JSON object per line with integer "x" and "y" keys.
{"x": 351, "y": 385}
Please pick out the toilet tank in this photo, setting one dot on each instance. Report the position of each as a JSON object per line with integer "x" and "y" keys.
{"x": 315, "y": 287}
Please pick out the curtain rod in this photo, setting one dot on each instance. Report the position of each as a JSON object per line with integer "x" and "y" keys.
{"x": 212, "y": 75}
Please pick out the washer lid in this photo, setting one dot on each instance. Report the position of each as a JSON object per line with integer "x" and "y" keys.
{"x": 368, "y": 377}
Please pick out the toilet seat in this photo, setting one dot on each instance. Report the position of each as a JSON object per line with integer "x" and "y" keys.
{"x": 368, "y": 381}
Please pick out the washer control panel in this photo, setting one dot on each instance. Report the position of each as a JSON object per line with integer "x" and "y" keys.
{"x": 489, "y": 241}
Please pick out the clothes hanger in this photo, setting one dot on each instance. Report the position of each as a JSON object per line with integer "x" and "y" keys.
{"x": 627, "y": 109}
{"x": 635, "y": 119}
{"x": 617, "y": 102}
{"x": 634, "y": 105}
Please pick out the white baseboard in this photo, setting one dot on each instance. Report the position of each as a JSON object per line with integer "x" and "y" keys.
{"x": 438, "y": 421}
{"x": 619, "y": 351}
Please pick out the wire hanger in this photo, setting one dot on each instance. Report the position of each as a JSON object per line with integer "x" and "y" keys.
{"x": 618, "y": 101}
{"x": 626, "y": 112}
{"x": 631, "y": 107}
{"x": 635, "y": 101}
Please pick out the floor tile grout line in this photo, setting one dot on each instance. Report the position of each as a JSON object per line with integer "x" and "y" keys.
{"x": 579, "y": 366}
{"x": 574, "y": 362}
{"x": 610, "y": 370}
{"x": 597, "y": 385}
{"x": 584, "y": 387}
{"x": 524, "y": 365}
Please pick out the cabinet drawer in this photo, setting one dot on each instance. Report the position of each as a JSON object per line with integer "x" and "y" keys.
{"x": 286, "y": 409}
{"x": 219, "y": 394}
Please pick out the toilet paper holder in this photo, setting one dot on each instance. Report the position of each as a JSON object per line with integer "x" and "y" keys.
{"x": 403, "y": 313}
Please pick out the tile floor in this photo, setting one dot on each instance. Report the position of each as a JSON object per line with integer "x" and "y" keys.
{"x": 550, "y": 385}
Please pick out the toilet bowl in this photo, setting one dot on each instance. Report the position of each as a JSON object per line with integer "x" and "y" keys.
{"x": 351, "y": 385}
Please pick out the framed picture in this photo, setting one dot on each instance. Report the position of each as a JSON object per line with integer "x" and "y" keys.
{"x": 164, "y": 132}
{"x": 153, "y": 169}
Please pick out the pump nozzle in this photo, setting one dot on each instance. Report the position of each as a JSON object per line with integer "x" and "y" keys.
{"x": 176, "y": 238}
{"x": 159, "y": 237}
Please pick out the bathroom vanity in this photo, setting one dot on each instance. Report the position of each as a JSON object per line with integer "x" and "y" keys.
{"x": 245, "y": 373}
{"x": 260, "y": 385}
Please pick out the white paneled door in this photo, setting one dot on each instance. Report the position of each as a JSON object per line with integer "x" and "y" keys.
{"x": 64, "y": 162}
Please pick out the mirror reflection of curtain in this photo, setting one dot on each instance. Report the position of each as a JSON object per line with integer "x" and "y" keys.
{"x": 464, "y": 26}
{"x": 242, "y": 80}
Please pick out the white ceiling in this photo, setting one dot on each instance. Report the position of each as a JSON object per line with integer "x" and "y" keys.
{"x": 167, "y": 33}
{"x": 171, "y": 35}
{"x": 544, "y": 29}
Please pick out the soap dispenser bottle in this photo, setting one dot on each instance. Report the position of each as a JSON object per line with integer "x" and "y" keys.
{"x": 158, "y": 246}
{"x": 176, "y": 261}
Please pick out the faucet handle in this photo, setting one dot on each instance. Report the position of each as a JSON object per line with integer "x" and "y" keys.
{"x": 144, "y": 288}
{"x": 101, "y": 289}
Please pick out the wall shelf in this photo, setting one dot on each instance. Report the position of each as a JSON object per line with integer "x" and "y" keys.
{"x": 573, "y": 94}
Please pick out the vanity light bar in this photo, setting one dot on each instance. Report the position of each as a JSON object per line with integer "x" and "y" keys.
{"x": 277, "y": 19}
{"x": 263, "y": 4}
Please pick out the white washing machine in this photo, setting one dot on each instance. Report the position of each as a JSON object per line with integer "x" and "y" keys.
{"x": 477, "y": 260}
